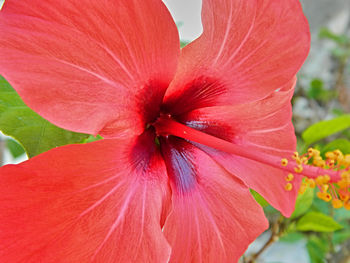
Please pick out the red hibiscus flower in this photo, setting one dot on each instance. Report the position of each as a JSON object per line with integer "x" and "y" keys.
{"x": 186, "y": 133}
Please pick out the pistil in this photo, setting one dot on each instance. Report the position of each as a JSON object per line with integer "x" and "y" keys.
{"x": 165, "y": 126}
{"x": 338, "y": 177}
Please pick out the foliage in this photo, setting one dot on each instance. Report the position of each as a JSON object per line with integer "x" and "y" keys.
{"x": 324, "y": 129}
{"x": 318, "y": 222}
{"x": 34, "y": 133}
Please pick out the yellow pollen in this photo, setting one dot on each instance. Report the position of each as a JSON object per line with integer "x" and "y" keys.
{"x": 302, "y": 188}
{"x": 331, "y": 155}
{"x": 313, "y": 152}
{"x": 326, "y": 178}
{"x": 295, "y": 155}
{"x": 284, "y": 162}
{"x": 347, "y": 205}
{"x": 324, "y": 187}
{"x": 320, "y": 195}
{"x": 345, "y": 175}
{"x": 324, "y": 196}
{"x": 318, "y": 161}
{"x": 311, "y": 182}
{"x": 320, "y": 180}
{"x": 344, "y": 197}
{"x": 331, "y": 163}
{"x": 310, "y": 152}
{"x": 327, "y": 197}
{"x": 343, "y": 184}
{"x": 337, "y": 152}
{"x": 336, "y": 203}
{"x": 288, "y": 187}
{"x": 346, "y": 160}
{"x": 316, "y": 152}
{"x": 289, "y": 177}
{"x": 331, "y": 188}
{"x": 298, "y": 169}
{"x": 340, "y": 158}
{"x": 304, "y": 160}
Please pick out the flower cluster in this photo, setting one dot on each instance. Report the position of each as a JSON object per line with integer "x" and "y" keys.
{"x": 335, "y": 188}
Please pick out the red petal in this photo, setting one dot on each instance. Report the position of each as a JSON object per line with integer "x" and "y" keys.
{"x": 248, "y": 49}
{"x": 266, "y": 180}
{"x": 89, "y": 65}
{"x": 265, "y": 125}
{"x": 84, "y": 203}
{"x": 214, "y": 217}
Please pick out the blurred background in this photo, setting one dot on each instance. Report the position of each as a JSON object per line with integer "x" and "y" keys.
{"x": 321, "y": 108}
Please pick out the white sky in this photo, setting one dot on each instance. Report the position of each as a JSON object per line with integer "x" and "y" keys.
{"x": 189, "y": 13}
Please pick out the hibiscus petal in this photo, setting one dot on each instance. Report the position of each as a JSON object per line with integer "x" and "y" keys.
{"x": 248, "y": 49}
{"x": 88, "y": 65}
{"x": 100, "y": 202}
{"x": 214, "y": 217}
{"x": 264, "y": 125}
{"x": 266, "y": 180}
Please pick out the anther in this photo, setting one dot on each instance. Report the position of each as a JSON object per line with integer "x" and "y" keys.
{"x": 347, "y": 205}
{"x": 344, "y": 197}
{"x": 295, "y": 155}
{"x": 310, "y": 152}
{"x": 337, "y": 152}
{"x": 288, "y": 187}
{"x": 289, "y": 177}
{"x": 324, "y": 187}
{"x": 320, "y": 180}
{"x": 311, "y": 183}
{"x": 302, "y": 188}
{"x": 304, "y": 160}
{"x": 284, "y": 162}
{"x": 324, "y": 196}
{"x": 331, "y": 155}
{"x": 298, "y": 169}
{"x": 326, "y": 178}
{"x": 336, "y": 203}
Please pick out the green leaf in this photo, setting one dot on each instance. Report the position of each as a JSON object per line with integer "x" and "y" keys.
{"x": 92, "y": 138}
{"x": 318, "y": 222}
{"x": 342, "y": 215}
{"x": 337, "y": 111}
{"x": 15, "y": 148}
{"x": 324, "y": 129}
{"x": 341, "y": 236}
{"x": 179, "y": 24}
{"x": 36, "y": 134}
{"x": 321, "y": 206}
{"x": 317, "y": 250}
{"x": 183, "y": 43}
{"x": 303, "y": 203}
{"x": 317, "y": 91}
{"x": 292, "y": 237}
{"x": 341, "y": 53}
{"x": 339, "y": 39}
{"x": 342, "y": 144}
{"x": 261, "y": 200}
